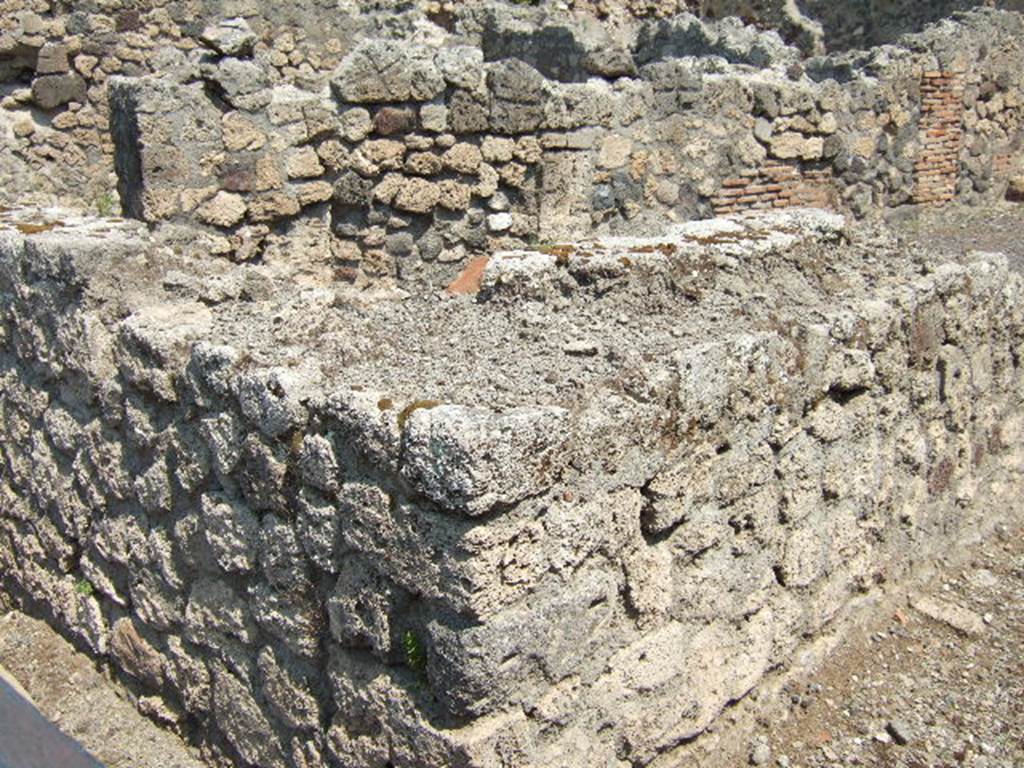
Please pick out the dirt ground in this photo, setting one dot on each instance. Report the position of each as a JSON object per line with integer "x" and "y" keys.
{"x": 956, "y": 229}
{"x": 70, "y": 692}
{"x": 933, "y": 681}
{"x": 910, "y": 689}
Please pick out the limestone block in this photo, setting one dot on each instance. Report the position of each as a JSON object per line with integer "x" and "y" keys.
{"x": 239, "y": 78}
{"x": 52, "y": 91}
{"x": 231, "y": 531}
{"x": 462, "y": 66}
{"x": 241, "y": 133}
{"x": 478, "y": 668}
{"x": 216, "y": 614}
{"x": 53, "y": 59}
{"x": 614, "y": 152}
{"x": 790, "y": 145}
{"x": 356, "y": 124}
{"x": 497, "y": 149}
{"x": 287, "y": 693}
{"x": 434, "y": 117}
{"x": 386, "y": 71}
{"x": 242, "y": 721}
{"x": 225, "y": 210}
{"x": 463, "y": 158}
{"x": 231, "y": 37}
{"x": 473, "y": 460}
{"x": 417, "y": 196}
{"x": 303, "y": 163}
{"x": 291, "y": 617}
{"x": 363, "y": 608}
{"x": 385, "y": 153}
{"x": 318, "y": 527}
{"x": 423, "y": 164}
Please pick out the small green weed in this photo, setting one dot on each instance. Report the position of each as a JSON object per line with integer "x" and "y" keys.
{"x": 84, "y": 587}
{"x": 415, "y": 653}
{"x": 106, "y": 205}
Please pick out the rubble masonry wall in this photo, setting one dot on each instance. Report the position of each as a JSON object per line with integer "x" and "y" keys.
{"x": 302, "y": 570}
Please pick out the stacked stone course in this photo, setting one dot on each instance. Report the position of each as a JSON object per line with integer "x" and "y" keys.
{"x": 383, "y": 159}
{"x": 323, "y": 514}
{"x": 420, "y": 158}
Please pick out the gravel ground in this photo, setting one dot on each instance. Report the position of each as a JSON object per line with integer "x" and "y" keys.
{"x": 955, "y": 229}
{"x": 910, "y": 689}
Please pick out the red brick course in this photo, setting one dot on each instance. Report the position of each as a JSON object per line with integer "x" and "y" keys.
{"x": 775, "y": 185}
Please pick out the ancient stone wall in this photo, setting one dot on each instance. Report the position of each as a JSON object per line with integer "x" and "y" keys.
{"x": 492, "y": 126}
{"x": 565, "y": 523}
{"x": 422, "y": 155}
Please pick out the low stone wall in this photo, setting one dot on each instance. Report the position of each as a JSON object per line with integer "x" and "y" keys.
{"x": 566, "y": 522}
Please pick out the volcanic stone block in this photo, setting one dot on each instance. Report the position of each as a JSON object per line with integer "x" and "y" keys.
{"x": 52, "y": 91}
{"x": 386, "y": 71}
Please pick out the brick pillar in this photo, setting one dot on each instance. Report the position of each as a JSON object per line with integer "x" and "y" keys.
{"x": 937, "y": 169}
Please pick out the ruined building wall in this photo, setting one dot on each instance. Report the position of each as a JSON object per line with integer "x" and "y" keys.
{"x": 56, "y": 60}
{"x": 419, "y": 156}
{"x": 234, "y": 488}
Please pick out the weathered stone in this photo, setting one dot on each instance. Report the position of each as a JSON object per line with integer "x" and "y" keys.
{"x": 473, "y": 460}
{"x": 135, "y": 655}
{"x": 423, "y": 164}
{"x": 454, "y": 195}
{"x": 225, "y": 210}
{"x": 463, "y": 158}
{"x": 1015, "y": 190}
{"x": 231, "y": 37}
{"x": 303, "y": 163}
{"x": 468, "y": 112}
{"x": 241, "y": 133}
{"x": 238, "y": 79}
{"x": 434, "y": 117}
{"x": 417, "y": 196}
{"x": 240, "y": 719}
{"x": 614, "y": 152}
{"x": 232, "y": 532}
{"x": 356, "y": 124}
{"x": 496, "y": 149}
{"x": 273, "y": 205}
{"x": 462, "y": 66}
{"x": 385, "y": 71}
{"x": 790, "y": 145}
{"x": 53, "y": 59}
{"x": 215, "y": 613}
{"x": 391, "y": 120}
{"x": 385, "y": 153}
{"x": 499, "y": 222}
{"x": 289, "y": 697}
{"x": 52, "y": 91}
{"x": 312, "y": 192}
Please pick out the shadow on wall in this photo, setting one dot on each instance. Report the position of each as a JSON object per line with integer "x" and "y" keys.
{"x": 866, "y": 23}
